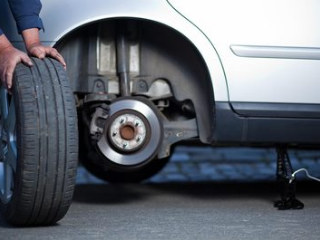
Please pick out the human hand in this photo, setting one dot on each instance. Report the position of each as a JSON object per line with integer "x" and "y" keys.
{"x": 36, "y": 49}
{"x": 40, "y": 51}
{"x": 9, "y": 58}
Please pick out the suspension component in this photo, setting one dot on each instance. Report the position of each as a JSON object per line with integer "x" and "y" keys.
{"x": 123, "y": 68}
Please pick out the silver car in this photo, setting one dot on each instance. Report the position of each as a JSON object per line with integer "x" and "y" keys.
{"x": 148, "y": 74}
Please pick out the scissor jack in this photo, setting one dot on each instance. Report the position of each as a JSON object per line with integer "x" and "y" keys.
{"x": 287, "y": 182}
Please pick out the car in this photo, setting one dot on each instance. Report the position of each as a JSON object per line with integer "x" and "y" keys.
{"x": 147, "y": 75}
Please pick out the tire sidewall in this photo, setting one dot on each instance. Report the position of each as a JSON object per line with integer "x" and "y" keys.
{"x": 8, "y": 209}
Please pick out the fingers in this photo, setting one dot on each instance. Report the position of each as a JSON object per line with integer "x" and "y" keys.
{"x": 41, "y": 52}
{"x": 61, "y": 60}
{"x": 8, "y": 62}
{"x": 37, "y": 51}
{"x": 11, "y": 67}
{"x": 26, "y": 60}
{"x": 8, "y": 76}
{"x": 56, "y": 55}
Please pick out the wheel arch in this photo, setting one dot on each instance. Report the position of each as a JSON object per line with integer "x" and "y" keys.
{"x": 213, "y": 82}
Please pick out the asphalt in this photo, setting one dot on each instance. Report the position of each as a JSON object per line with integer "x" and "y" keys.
{"x": 203, "y": 193}
{"x": 180, "y": 211}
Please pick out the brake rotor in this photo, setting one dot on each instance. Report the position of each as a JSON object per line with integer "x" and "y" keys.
{"x": 132, "y": 133}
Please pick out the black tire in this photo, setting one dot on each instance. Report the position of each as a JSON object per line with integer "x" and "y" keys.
{"x": 46, "y": 141}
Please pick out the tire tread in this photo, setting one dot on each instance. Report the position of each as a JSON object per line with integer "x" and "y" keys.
{"x": 47, "y": 142}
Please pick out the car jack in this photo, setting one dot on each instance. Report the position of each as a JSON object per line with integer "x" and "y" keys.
{"x": 287, "y": 183}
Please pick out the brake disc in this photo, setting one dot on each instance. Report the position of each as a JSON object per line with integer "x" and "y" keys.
{"x": 132, "y": 132}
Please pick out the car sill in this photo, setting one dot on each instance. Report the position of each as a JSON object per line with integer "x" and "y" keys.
{"x": 275, "y": 110}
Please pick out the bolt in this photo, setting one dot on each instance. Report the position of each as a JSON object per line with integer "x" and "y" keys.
{"x": 136, "y": 123}
{"x": 122, "y": 120}
{"x": 125, "y": 145}
{"x": 143, "y": 86}
{"x": 138, "y": 139}
{"x": 114, "y": 134}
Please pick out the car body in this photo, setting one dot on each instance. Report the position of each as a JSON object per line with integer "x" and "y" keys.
{"x": 222, "y": 72}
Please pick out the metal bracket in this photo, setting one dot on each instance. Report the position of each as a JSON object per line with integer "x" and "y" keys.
{"x": 287, "y": 183}
{"x": 177, "y": 131}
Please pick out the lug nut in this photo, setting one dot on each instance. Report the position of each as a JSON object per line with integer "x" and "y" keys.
{"x": 136, "y": 123}
{"x": 122, "y": 120}
{"x": 125, "y": 145}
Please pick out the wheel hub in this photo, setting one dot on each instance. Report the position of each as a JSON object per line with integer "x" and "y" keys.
{"x": 132, "y": 132}
{"x": 128, "y": 132}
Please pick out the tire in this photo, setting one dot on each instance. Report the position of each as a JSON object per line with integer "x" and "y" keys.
{"x": 39, "y": 147}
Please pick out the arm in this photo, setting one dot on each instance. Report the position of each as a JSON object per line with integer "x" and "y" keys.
{"x": 26, "y": 14}
{"x": 36, "y": 49}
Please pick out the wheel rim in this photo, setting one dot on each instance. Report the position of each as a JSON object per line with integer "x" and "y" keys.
{"x": 141, "y": 136}
{"x": 8, "y": 148}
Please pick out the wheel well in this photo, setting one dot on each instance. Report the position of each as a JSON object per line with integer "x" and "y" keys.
{"x": 156, "y": 52}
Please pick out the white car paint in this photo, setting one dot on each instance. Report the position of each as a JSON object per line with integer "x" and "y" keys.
{"x": 217, "y": 29}
{"x": 61, "y": 17}
{"x": 255, "y": 23}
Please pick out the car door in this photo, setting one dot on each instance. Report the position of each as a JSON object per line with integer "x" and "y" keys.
{"x": 270, "y": 49}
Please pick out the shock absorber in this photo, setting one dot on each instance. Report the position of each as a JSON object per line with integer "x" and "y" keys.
{"x": 122, "y": 54}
